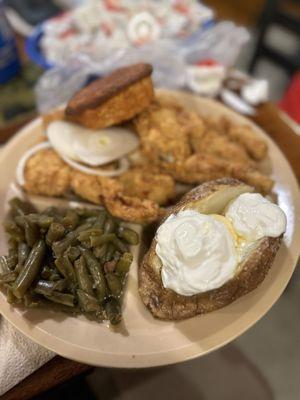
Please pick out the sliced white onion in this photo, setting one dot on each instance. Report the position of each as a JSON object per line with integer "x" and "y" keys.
{"x": 23, "y": 160}
{"x": 92, "y": 147}
{"x": 123, "y": 166}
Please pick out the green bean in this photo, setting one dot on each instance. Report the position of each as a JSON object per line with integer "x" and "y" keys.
{"x": 65, "y": 267}
{"x": 120, "y": 245}
{"x": 61, "y": 298}
{"x": 71, "y": 220}
{"x": 105, "y": 238}
{"x": 124, "y": 263}
{"x": 117, "y": 255}
{"x": 43, "y": 221}
{"x": 109, "y": 226}
{"x": 73, "y": 253}
{"x": 87, "y": 234}
{"x": 69, "y": 240}
{"x": 4, "y": 265}
{"x": 110, "y": 252}
{"x": 54, "y": 276}
{"x": 114, "y": 284}
{"x": 83, "y": 278}
{"x": 15, "y": 231}
{"x": 32, "y": 233}
{"x": 97, "y": 274}
{"x": 86, "y": 244}
{"x": 113, "y": 311}
{"x": 87, "y": 212}
{"x": 50, "y": 212}
{"x": 20, "y": 207}
{"x": 48, "y": 287}
{"x": 30, "y": 269}
{"x": 10, "y": 297}
{"x": 30, "y": 300}
{"x": 23, "y": 253}
{"x": 100, "y": 220}
{"x": 9, "y": 262}
{"x": 7, "y": 277}
{"x": 100, "y": 251}
{"x": 55, "y": 232}
{"x": 87, "y": 302}
{"x": 129, "y": 235}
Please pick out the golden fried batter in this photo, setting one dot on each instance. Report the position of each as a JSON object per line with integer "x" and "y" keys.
{"x": 132, "y": 209}
{"x": 145, "y": 184}
{"x": 255, "y": 146}
{"x": 218, "y": 145}
{"x": 47, "y": 174}
{"x": 193, "y": 150}
{"x": 163, "y": 139}
{"x": 94, "y": 188}
{"x": 201, "y": 168}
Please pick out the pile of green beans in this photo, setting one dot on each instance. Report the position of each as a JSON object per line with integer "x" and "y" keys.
{"x": 74, "y": 260}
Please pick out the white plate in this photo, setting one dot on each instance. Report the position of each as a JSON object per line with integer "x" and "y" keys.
{"x": 142, "y": 341}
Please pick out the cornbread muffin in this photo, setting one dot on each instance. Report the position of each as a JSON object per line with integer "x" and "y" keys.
{"x": 111, "y": 100}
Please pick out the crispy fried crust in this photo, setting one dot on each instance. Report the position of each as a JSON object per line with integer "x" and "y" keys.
{"x": 114, "y": 99}
{"x": 194, "y": 150}
{"x": 144, "y": 184}
{"x": 47, "y": 174}
{"x": 166, "y": 304}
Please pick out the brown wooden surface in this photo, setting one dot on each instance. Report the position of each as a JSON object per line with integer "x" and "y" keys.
{"x": 245, "y": 12}
{"x": 271, "y": 121}
{"x": 55, "y": 372}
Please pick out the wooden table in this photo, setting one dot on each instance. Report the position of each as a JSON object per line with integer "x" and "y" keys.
{"x": 60, "y": 370}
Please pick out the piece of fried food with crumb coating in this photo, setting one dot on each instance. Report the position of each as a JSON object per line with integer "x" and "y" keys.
{"x": 133, "y": 209}
{"x": 219, "y": 145}
{"x": 201, "y": 167}
{"x": 145, "y": 184}
{"x": 94, "y": 188}
{"x": 47, "y": 174}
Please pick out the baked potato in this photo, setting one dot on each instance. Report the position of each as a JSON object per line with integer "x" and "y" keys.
{"x": 164, "y": 303}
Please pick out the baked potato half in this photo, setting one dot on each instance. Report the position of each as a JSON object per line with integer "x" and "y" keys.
{"x": 209, "y": 198}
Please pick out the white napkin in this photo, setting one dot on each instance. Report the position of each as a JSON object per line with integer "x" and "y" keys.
{"x": 19, "y": 356}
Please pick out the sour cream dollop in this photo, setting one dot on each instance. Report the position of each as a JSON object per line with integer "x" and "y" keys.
{"x": 197, "y": 253}
{"x": 254, "y": 217}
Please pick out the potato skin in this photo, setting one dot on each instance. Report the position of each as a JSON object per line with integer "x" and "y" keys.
{"x": 167, "y": 305}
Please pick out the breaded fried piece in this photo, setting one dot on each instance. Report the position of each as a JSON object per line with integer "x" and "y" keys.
{"x": 47, "y": 174}
{"x": 133, "y": 209}
{"x": 221, "y": 146}
{"x": 109, "y": 192}
{"x": 241, "y": 134}
{"x": 164, "y": 139}
{"x": 113, "y": 99}
{"x": 255, "y": 146}
{"x": 200, "y": 168}
{"x": 145, "y": 184}
{"x": 94, "y": 188}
